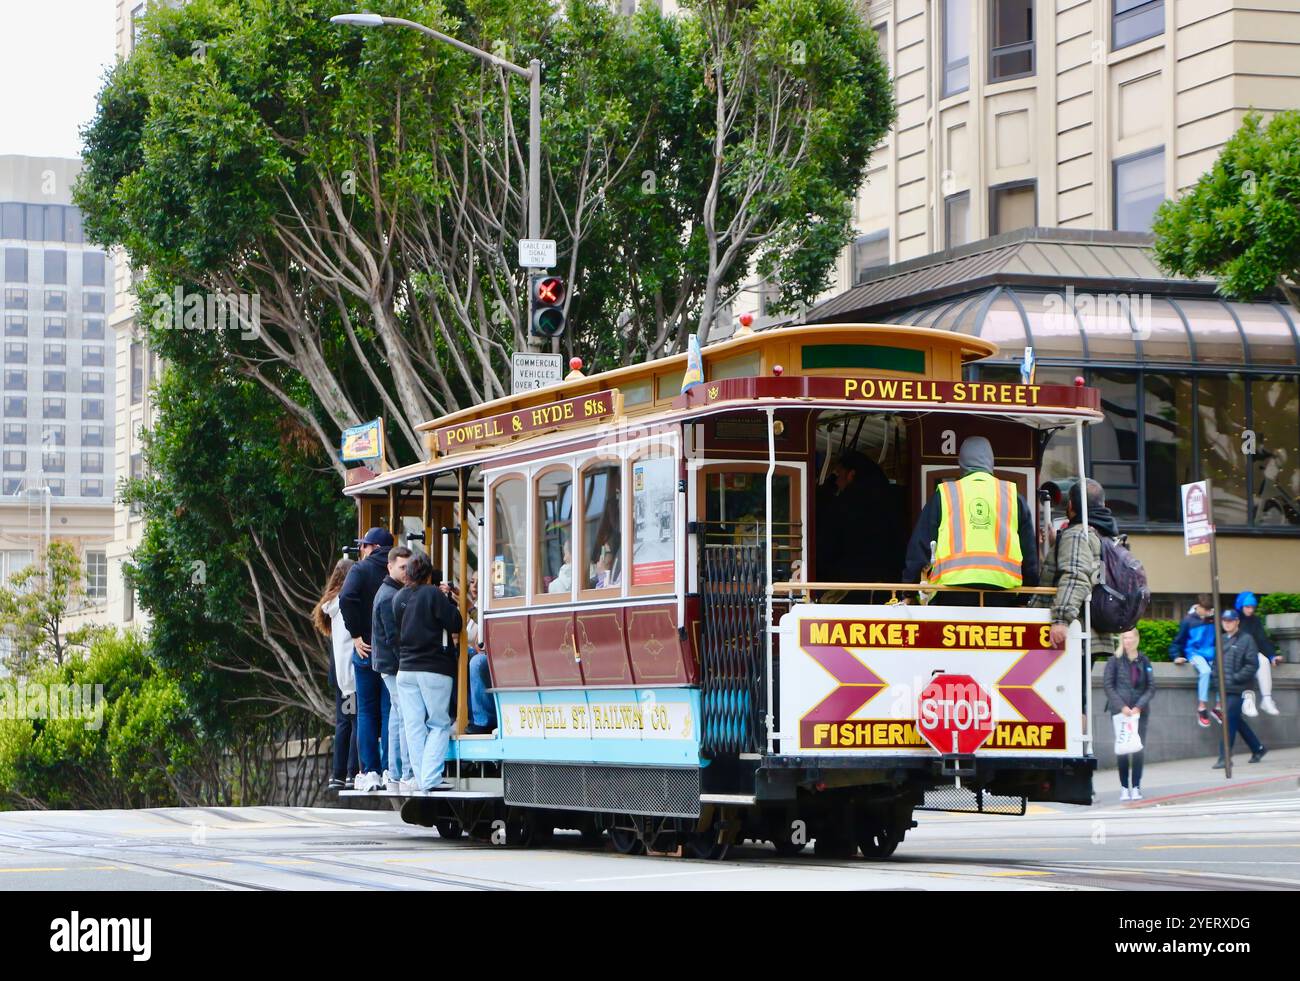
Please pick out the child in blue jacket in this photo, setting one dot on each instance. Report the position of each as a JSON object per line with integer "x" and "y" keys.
{"x": 1195, "y": 643}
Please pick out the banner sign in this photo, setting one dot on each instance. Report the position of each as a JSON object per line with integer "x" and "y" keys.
{"x": 899, "y": 391}
{"x": 852, "y": 678}
{"x": 1197, "y": 530}
{"x": 499, "y": 428}
{"x": 363, "y": 442}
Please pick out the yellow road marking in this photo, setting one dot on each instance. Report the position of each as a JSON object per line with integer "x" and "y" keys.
{"x": 36, "y": 869}
{"x": 1161, "y": 848}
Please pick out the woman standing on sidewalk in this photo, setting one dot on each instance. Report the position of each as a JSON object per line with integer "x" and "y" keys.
{"x": 1130, "y": 685}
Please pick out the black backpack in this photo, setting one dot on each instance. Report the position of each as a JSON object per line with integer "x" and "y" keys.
{"x": 1121, "y": 598}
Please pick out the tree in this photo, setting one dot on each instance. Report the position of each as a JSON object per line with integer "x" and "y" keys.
{"x": 35, "y": 605}
{"x": 1241, "y": 221}
{"x": 366, "y": 187}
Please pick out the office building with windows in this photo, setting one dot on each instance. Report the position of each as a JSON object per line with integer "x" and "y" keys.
{"x": 57, "y": 418}
{"x": 1013, "y": 200}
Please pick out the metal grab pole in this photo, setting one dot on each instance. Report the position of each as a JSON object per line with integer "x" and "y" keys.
{"x": 1087, "y": 600}
{"x": 767, "y": 585}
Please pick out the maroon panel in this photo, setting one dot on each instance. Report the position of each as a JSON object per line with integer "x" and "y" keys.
{"x": 1012, "y": 442}
{"x": 509, "y": 653}
{"x": 658, "y": 656}
{"x": 694, "y": 626}
{"x": 553, "y": 649}
{"x": 603, "y": 647}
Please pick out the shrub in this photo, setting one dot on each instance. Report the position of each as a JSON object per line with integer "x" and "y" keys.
{"x": 1155, "y": 636}
{"x": 1279, "y": 603}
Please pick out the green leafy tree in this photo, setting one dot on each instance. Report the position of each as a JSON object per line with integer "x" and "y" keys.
{"x": 35, "y": 606}
{"x": 1241, "y": 221}
{"x": 366, "y": 186}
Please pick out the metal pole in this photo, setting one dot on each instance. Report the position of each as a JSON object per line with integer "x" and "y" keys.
{"x": 462, "y": 587}
{"x": 534, "y": 149}
{"x": 1218, "y": 633}
{"x": 767, "y": 589}
{"x": 1087, "y": 599}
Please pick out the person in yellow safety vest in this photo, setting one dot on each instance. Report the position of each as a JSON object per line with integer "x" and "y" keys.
{"x": 981, "y": 531}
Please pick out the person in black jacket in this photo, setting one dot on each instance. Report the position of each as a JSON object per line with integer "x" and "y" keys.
{"x": 1130, "y": 684}
{"x": 860, "y": 531}
{"x": 1240, "y": 662}
{"x": 383, "y": 658}
{"x": 356, "y": 604}
{"x": 427, "y": 623}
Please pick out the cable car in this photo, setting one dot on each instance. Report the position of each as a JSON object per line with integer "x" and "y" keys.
{"x": 671, "y": 664}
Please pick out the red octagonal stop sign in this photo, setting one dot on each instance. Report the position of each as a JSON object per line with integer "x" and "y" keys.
{"x": 954, "y": 714}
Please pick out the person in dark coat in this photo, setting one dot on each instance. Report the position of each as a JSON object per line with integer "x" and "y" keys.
{"x": 1130, "y": 684}
{"x": 356, "y": 604}
{"x": 1269, "y": 657}
{"x": 384, "y": 653}
{"x": 427, "y": 623}
{"x": 859, "y": 530}
{"x": 1240, "y": 662}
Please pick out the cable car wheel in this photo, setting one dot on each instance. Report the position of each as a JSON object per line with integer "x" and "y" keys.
{"x": 625, "y": 835}
{"x": 528, "y": 829}
{"x": 449, "y": 828}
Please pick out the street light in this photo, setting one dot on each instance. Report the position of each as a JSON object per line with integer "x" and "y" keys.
{"x": 534, "y": 75}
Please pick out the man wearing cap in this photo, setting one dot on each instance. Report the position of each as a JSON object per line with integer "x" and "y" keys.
{"x": 356, "y": 603}
{"x": 974, "y": 531}
{"x": 1240, "y": 662}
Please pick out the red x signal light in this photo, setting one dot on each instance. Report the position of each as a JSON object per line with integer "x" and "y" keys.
{"x": 549, "y": 291}
{"x": 548, "y": 305}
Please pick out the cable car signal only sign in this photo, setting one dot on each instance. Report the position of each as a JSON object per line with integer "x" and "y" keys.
{"x": 954, "y": 714}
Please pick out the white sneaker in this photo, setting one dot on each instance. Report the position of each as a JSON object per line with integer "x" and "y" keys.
{"x": 1136, "y": 794}
{"x": 1248, "y": 704}
{"x": 1123, "y": 793}
{"x": 372, "y": 782}
{"x": 1268, "y": 705}
{"x": 408, "y": 786}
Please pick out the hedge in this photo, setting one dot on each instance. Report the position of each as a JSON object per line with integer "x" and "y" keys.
{"x": 1155, "y": 636}
{"x": 1279, "y": 603}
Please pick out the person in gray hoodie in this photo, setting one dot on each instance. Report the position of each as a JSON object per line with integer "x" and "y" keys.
{"x": 383, "y": 659}
{"x": 1130, "y": 685}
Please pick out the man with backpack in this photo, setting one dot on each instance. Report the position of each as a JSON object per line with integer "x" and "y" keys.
{"x": 1091, "y": 562}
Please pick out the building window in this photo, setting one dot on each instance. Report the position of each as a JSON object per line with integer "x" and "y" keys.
{"x": 56, "y": 326}
{"x": 1012, "y": 206}
{"x": 92, "y": 408}
{"x": 56, "y": 266}
{"x": 56, "y": 353}
{"x": 15, "y": 352}
{"x": 554, "y": 532}
{"x": 870, "y": 251}
{"x": 15, "y": 298}
{"x": 56, "y": 381}
{"x": 92, "y": 488}
{"x": 15, "y": 325}
{"x": 15, "y": 379}
{"x": 15, "y": 433}
{"x": 1136, "y": 20}
{"x": 11, "y": 486}
{"x": 96, "y": 571}
{"x": 92, "y": 461}
{"x": 15, "y": 407}
{"x": 92, "y": 381}
{"x": 56, "y": 486}
{"x": 56, "y": 300}
{"x": 956, "y": 46}
{"x": 13, "y": 561}
{"x": 1139, "y": 182}
{"x": 92, "y": 435}
{"x": 53, "y": 461}
{"x": 1011, "y": 39}
{"x": 92, "y": 302}
{"x": 54, "y": 434}
{"x": 92, "y": 355}
{"x": 15, "y": 265}
{"x": 92, "y": 269}
{"x": 15, "y": 460}
{"x": 54, "y": 408}
{"x": 956, "y": 219}
{"x": 12, "y": 225}
{"x": 882, "y": 41}
{"x": 509, "y": 548}
{"x": 137, "y": 372}
{"x": 92, "y": 328}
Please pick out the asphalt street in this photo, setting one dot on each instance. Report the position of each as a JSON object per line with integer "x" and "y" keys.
{"x": 1243, "y": 842}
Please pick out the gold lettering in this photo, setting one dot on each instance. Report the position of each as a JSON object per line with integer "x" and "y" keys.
{"x": 850, "y": 387}
{"x": 858, "y": 634}
{"x": 819, "y": 633}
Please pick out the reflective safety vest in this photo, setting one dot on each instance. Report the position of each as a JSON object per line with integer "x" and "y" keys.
{"x": 979, "y": 533}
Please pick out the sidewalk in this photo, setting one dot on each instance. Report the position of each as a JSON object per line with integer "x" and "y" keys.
{"x": 1179, "y": 781}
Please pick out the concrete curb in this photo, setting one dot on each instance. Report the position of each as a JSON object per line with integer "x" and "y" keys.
{"x": 1233, "y": 789}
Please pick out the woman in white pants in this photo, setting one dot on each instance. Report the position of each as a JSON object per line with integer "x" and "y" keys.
{"x": 1268, "y": 656}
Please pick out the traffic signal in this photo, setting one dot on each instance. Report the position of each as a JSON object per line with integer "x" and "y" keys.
{"x": 547, "y": 296}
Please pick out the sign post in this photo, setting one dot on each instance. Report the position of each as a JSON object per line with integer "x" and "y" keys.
{"x": 1199, "y": 538}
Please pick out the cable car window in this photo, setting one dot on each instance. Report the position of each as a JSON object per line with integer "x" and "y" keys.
{"x": 602, "y": 526}
{"x": 654, "y": 484}
{"x": 555, "y": 531}
{"x": 509, "y": 519}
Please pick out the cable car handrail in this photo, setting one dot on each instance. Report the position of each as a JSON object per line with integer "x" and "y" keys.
{"x": 905, "y": 587}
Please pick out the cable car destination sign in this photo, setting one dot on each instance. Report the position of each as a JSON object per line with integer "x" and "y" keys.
{"x": 508, "y": 425}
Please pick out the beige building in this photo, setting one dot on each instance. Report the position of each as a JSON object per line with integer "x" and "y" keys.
{"x": 1065, "y": 113}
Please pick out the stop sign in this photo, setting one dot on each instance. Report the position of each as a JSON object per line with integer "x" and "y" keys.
{"x": 954, "y": 714}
